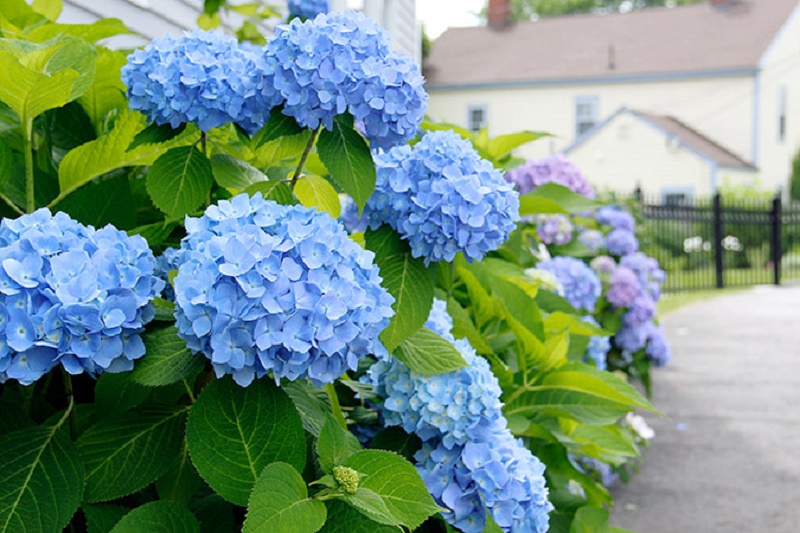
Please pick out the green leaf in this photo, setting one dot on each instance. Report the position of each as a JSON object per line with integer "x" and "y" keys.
{"x": 233, "y": 173}
{"x": 156, "y": 134}
{"x": 371, "y": 505}
{"x": 590, "y": 520}
{"x": 158, "y": 517}
{"x": 346, "y": 155}
{"x": 394, "y": 439}
{"x": 273, "y": 190}
{"x": 107, "y": 92}
{"x": 554, "y": 198}
{"x": 483, "y": 306}
{"x": 100, "y": 29}
{"x": 491, "y": 525}
{"x": 278, "y": 125}
{"x": 603, "y": 442}
{"x": 13, "y": 417}
{"x": 116, "y": 393}
{"x": 312, "y": 404}
{"x": 463, "y": 327}
{"x": 335, "y": 445}
{"x": 41, "y": 479}
{"x": 560, "y": 321}
{"x": 180, "y": 482}
{"x": 313, "y": 191}
{"x": 280, "y": 502}
{"x": 345, "y": 519}
{"x": 167, "y": 360}
{"x": 104, "y": 202}
{"x": 502, "y": 145}
{"x": 428, "y": 352}
{"x": 102, "y": 518}
{"x": 48, "y": 8}
{"x": 214, "y": 513}
{"x": 124, "y": 453}
{"x": 581, "y": 377}
{"x": 180, "y": 181}
{"x": 583, "y": 406}
{"x": 234, "y": 432}
{"x": 110, "y": 152}
{"x": 397, "y": 482}
{"x": 283, "y": 149}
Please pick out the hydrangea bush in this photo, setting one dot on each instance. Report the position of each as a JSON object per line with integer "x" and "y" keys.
{"x": 215, "y": 354}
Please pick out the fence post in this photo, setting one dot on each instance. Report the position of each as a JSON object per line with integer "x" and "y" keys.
{"x": 718, "y": 239}
{"x": 777, "y": 230}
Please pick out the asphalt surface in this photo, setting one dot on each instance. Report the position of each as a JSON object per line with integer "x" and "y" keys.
{"x": 726, "y": 458}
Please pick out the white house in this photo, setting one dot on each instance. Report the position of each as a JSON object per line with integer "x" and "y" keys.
{"x": 729, "y": 71}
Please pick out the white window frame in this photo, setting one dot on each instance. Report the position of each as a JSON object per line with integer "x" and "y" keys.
{"x": 483, "y": 108}
{"x": 587, "y": 114}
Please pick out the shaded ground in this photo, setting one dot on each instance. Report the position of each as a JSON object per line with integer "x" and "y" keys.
{"x": 727, "y": 457}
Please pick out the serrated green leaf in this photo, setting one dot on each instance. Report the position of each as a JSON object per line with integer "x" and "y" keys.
{"x": 483, "y": 307}
{"x": 397, "y": 482}
{"x": 102, "y": 518}
{"x": 180, "y": 181}
{"x": 590, "y": 520}
{"x": 233, "y": 173}
{"x": 124, "y": 453}
{"x": 312, "y": 404}
{"x": 428, "y": 352}
{"x": 100, "y": 203}
{"x": 346, "y": 155}
{"x": 278, "y": 125}
{"x": 581, "y": 377}
{"x": 156, "y": 134}
{"x": 502, "y": 145}
{"x": 48, "y": 8}
{"x": 107, "y": 92}
{"x": 371, "y": 505}
{"x": 491, "y": 525}
{"x": 463, "y": 327}
{"x": 167, "y": 360}
{"x": 234, "y": 432}
{"x": 41, "y": 479}
{"x": 314, "y": 191}
{"x": 273, "y": 190}
{"x": 283, "y": 149}
{"x": 180, "y": 482}
{"x": 345, "y": 519}
{"x": 158, "y": 517}
{"x": 96, "y": 31}
{"x": 583, "y": 406}
{"x": 335, "y": 445}
{"x": 280, "y": 502}
{"x": 554, "y": 198}
{"x": 116, "y": 393}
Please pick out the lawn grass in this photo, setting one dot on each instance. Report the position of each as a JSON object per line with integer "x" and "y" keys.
{"x": 673, "y": 301}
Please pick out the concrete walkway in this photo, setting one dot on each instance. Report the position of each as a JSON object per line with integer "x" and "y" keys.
{"x": 727, "y": 457}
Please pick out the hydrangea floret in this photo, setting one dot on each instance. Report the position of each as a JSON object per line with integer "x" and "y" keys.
{"x": 621, "y": 242}
{"x": 553, "y": 169}
{"x": 443, "y": 198}
{"x": 341, "y": 62}
{"x": 264, "y": 287}
{"x": 72, "y": 295}
{"x": 598, "y": 347}
{"x": 624, "y": 287}
{"x": 581, "y": 285}
{"x": 554, "y": 229}
{"x": 204, "y": 77}
{"x": 657, "y": 349}
{"x": 308, "y": 9}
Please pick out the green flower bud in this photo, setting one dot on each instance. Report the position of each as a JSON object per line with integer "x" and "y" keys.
{"x": 347, "y": 478}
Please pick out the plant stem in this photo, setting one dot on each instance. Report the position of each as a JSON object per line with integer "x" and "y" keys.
{"x": 71, "y": 396}
{"x": 204, "y": 143}
{"x": 27, "y": 133}
{"x": 188, "y": 390}
{"x": 337, "y": 409}
{"x": 304, "y": 157}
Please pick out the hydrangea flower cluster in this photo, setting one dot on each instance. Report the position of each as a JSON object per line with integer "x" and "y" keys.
{"x": 349, "y": 215}
{"x": 169, "y": 260}
{"x": 657, "y": 348}
{"x": 581, "y": 285}
{"x": 268, "y": 287}
{"x": 598, "y": 347}
{"x": 593, "y": 239}
{"x": 443, "y": 198}
{"x": 341, "y": 62}
{"x": 203, "y": 77}
{"x": 621, "y": 242}
{"x": 553, "y": 169}
{"x": 624, "y": 287}
{"x": 616, "y": 218}
{"x": 308, "y": 9}
{"x": 73, "y": 295}
{"x": 554, "y": 229}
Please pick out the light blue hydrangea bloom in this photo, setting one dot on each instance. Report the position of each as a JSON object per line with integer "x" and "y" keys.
{"x": 454, "y": 407}
{"x": 268, "y": 287}
{"x": 554, "y": 229}
{"x": 308, "y": 9}
{"x": 621, "y": 242}
{"x": 204, "y": 77}
{"x": 169, "y": 260}
{"x": 640, "y": 311}
{"x": 630, "y": 338}
{"x": 552, "y": 169}
{"x": 593, "y": 239}
{"x": 598, "y": 347}
{"x": 341, "y": 62}
{"x": 493, "y": 472}
{"x": 443, "y": 199}
{"x": 581, "y": 285}
{"x": 616, "y": 218}
{"x": 72, "y": 295}
{"x": 658, "y": 349}
{"x": 349, "y": 215}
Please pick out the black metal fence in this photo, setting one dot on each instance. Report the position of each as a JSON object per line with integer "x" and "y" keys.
{"x": 707, "y": 243}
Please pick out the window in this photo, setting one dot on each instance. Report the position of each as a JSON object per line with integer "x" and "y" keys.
{"x": 586, "y": 112}
{"x": 781, "y": 113}
{"x": 673, "y": 196}
{"x": 477, "y": 118}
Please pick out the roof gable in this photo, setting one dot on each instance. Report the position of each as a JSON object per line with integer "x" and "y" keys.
{"x": 684, "y": 39}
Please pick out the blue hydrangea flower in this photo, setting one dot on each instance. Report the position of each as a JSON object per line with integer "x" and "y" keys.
{"x": 630, "y": 338}
{"x": 554, "y": 229}
{"x": 658, "y": 349}
{"x": 624, "y": 287}
{"x": 581, "y": 285}
{"x": 443, "y": 199}
{"x": 641, "y": 310}
{"x": 349, "y": 215}
{"x": 553, "y": 169}
{"x": 203, "y": 77}
{"x": 454, "y": 407}
{"x": 648, "y": 272}
{"x": 169, "y": 260}
{"x": 268, "y": 287}
{"x": 308, "y": 9}
{"x": 494, "y": 472}
{"x": 593, "y": 239}
{"x": 621, "y": 242}
{"x": 341, "y": 62}
{"x": 598, "y": 347}
{"x": 616, "y": 218}
{"x": 72, "y": 295}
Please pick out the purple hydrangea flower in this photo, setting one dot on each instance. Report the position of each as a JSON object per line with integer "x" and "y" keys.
{"x": 657, "y": 347}
{"x": 616, "y": 218}
{"x": 308, "y": 9}
{"x": 553, "y": 169}
{"x": 621, "y": 242}
{"x": 624, "y": 287}
{"x": 443, "y": 199}
{"x": 264, "y": 287}
{"x": 341, "y": 62}
{"x": 554, "y": 229}
{"x": 581, "y": 285}
{"x": 641, "y": 310}
{"x": 73, "y": 295}
{"x": 203, "y": 77}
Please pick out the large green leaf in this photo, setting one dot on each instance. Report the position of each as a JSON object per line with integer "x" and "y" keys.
{"x": 502, "y": 145}
{"x": 48, "y": 8}
{"x": 180, "y": 181}
{"x": 180, "y": 482}
{"x": 280, "y": 502}
{"x": 397, "y": 482}
{"x": 233, "y": 173}
{"x": 107, "y": 92}
{"x": 100, "y": 29}
{"x": 590, "y": 520}
{"x": 564, "y": 401}
{"x": 278, "y": 125}
{"x": 116, "y": 393}
{"x": 554, "y": 198}
{"x": 158, "y": 517}
{"x": 428, "y": 352}
{"x": 314, "y": 191}
{"x": 167, "y": 359}
{"x": 101, "y": 518}
{"x": 234, "y": 432}
{"x": 124, "y": 453}
{"x": 335, "y": 445}
{"x": 581, "y": 377}
{"x": 346, "y": 155}
{"x": 273, "y": 190}
{"x": 41, "y": 479}
{"x": 463, "y": 327}
{"x": 312, "y": 404}
{"x": 343, "y": 518}
{"x": 106, "y": 201}
{"x": 371, "y": 505}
